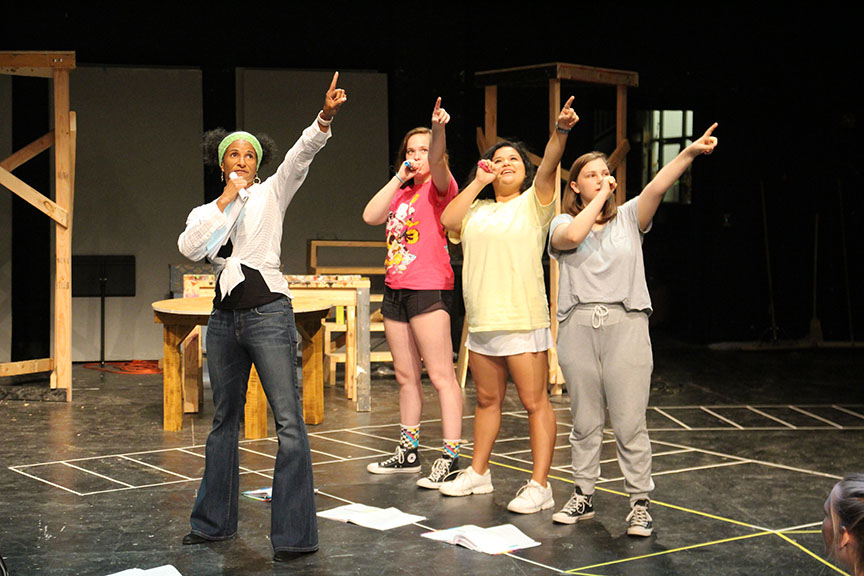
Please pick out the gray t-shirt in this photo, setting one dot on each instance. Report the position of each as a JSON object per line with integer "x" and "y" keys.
{"x": 606, "y": 268}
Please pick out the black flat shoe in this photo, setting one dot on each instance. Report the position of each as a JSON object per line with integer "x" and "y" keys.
{"x": 288, "y": 555}
{"x": 193, "y": 538}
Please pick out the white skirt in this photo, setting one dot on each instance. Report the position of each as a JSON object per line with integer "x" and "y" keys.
{"x": 508, "y": 343}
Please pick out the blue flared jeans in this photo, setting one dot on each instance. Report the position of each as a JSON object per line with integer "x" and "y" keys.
{"x": 236, "y": 339}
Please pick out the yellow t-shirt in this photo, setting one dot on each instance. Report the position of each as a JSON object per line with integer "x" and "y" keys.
{"x": 502, "y": 269}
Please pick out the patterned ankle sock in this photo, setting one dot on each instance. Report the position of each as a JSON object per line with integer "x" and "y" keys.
{"x": 410, "y": 436}
{"x": 451, "y": 448}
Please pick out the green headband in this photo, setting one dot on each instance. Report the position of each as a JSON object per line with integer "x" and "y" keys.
{"x": 234, "y": 136}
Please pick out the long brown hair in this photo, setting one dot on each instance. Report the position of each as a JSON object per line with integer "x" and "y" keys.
{"x": 572, "y": 203}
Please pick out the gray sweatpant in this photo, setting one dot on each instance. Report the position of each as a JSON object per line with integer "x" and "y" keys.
{"x": 605, "y": 354}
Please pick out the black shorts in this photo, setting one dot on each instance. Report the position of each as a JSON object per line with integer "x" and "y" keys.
{"x": 402, "y": 305}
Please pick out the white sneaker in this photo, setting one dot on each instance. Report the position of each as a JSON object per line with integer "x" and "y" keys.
{"x": 468, "y": 482}
{"x": 532, "y": 497}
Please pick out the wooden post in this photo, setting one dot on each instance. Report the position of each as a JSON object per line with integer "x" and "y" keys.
{"x": 256, "y": 407}
{"x": 172, "y": 387}
{"x": 620, "y": 139}
{"x": 191, "y": 372}
{"x": 462, "y": 361}
{"x": 555, "y": 376}
{"x": 62, "y": 375}
{"x": 73, "y": 157}
{"x": 312, "y": 334}
{"x": 553, "y": 73}
{"x": 491, "y": 121}
{"x": 363, "y": 381}
{"x": 351, "y": 352}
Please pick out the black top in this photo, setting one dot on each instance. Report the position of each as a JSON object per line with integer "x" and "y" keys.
{"x": 252, "y": 292}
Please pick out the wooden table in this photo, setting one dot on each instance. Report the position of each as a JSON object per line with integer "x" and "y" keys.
{"x": 180, "y": 316}
{"x": 350, "y": 292}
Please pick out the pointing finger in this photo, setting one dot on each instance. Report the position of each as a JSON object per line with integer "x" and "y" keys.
{"x": 708, "y": 132}
{"x": 335, "y": 79}
{"x": 569, "y": 102}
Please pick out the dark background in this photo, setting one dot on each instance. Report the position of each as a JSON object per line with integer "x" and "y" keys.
{"x": 782, "y": 80}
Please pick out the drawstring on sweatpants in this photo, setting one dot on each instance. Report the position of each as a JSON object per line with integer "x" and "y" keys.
{"x": 599, "y": 315}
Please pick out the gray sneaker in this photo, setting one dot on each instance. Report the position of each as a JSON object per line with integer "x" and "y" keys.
{"x": 440, "y": 469}
{"x": 404, "y": 461}
{"x": 579, "y": 507}
{"x": 640, "y": 521}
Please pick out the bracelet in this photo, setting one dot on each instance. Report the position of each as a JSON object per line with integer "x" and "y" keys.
{"x": 562, "y": 130}
{"x": 322, "y": 121}
{"x": 399, "y": 179}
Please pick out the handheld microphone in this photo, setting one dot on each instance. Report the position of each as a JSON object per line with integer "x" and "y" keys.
{"x": 242, "y": 193}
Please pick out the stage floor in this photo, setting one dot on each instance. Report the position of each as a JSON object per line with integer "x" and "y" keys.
{"x": 746, "y": 447}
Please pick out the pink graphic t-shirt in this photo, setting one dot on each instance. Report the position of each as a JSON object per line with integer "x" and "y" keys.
{"x": 417, "y": 255}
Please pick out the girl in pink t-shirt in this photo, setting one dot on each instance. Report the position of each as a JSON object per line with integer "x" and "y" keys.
{"x": 418, "y": 294}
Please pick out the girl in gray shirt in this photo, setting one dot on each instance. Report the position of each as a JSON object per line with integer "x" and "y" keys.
{"x": 604, "y": 349}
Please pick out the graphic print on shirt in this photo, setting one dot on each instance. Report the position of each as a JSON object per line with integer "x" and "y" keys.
{"x": 402, "y": 232}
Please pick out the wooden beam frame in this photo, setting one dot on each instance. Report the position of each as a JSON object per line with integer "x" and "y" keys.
{"x": 28, "y": 152}
{"x": 55, "y": 66}
{"x": 541, "y": 73}
{"x": 551, "y": 75}
{"x": 38, "y": 64}
{"x": 27, "y": 367}
{"x": 555, "y": 377}
{"x": 34, "y": 198}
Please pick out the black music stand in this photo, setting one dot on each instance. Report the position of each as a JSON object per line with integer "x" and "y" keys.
{"x": 103, "y": 277}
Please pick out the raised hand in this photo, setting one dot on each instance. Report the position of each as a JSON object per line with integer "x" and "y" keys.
{"x": 440, "y": 117}
{"x": 706, "y": 143}
{"x": 333, "y": 99}
{"x": 568, "y": 117}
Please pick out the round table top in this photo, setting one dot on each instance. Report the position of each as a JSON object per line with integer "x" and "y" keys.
{"x": 203, "y": 306}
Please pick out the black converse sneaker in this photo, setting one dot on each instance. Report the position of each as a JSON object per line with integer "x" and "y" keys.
{"x": 579, "y": 507}
{"x": 404, "y": 461}
{"x": 640, "y": 521}
{"x": 440, "y": 469}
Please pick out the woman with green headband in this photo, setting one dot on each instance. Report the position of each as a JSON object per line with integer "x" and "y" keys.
{"x": 240, "y": 233}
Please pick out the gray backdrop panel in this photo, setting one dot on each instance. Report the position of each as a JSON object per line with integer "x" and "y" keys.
{"x": 345, "y": 174}
{"x": 138, "y": 174}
